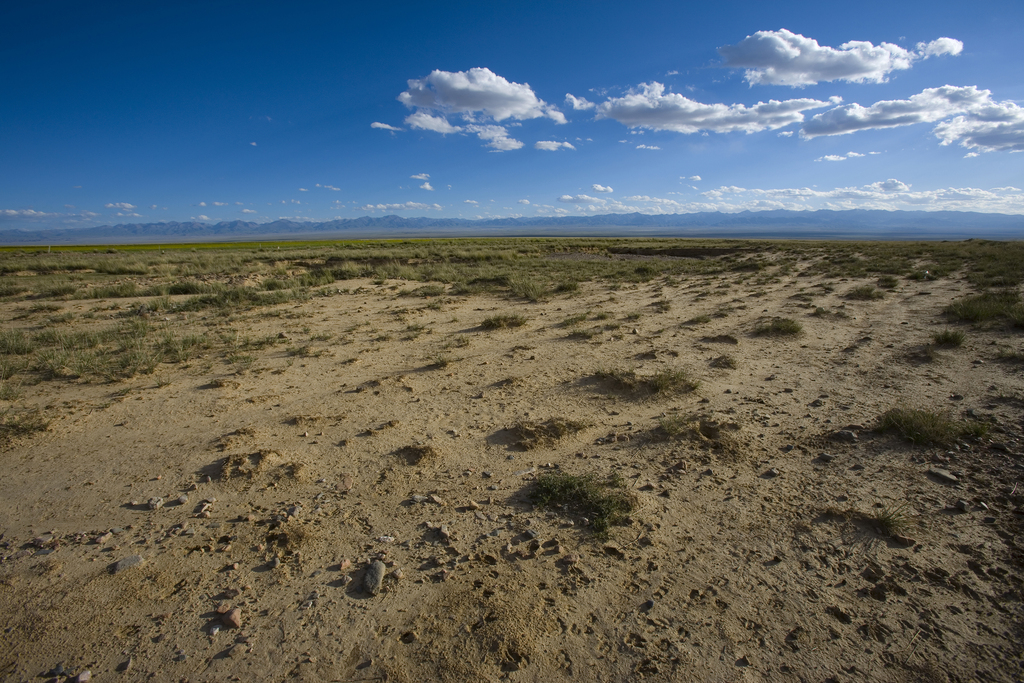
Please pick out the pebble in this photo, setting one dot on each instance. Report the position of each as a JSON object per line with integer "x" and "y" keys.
{"x": 275, "y": 563}
{"x": 374, "y": 577}
{"x": 845, "y": 435}
{"x": 127, "y": 563}
{"x": 963, "y": 505}
{"x": 419, "y": 499}
{"x": 84, "y": 676}
{"x": 344, "y": 564}
{"x": 529, "y": 470}
{"x": 436, "y": 499}
{"x": 826, "y": 457}
{"x": 182, "y": 499}
{"x": 944, "y": 475}
{"x": 155, "y": 503}
{"x": 103, "y": 538}
{"x": 223, "y": 608}
{"x": 232, "y": 618}
{"x": 772, "y": 473}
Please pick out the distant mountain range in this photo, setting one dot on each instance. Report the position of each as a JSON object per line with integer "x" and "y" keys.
{"x": 853, "y": 224}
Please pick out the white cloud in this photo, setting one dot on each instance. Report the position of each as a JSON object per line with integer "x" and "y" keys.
{"x": 786, "y": 58}
{"x": 200, "y": 204}
{"x": 840, "y": 157}
{"x": 998, "y": 127}
{"x": 551, "y": 146}
{"x": 581, "y": 199}
{"x": 469, "y": 201}
{"x": 407, "y": 206}
{"x": 694, "y": 178}
{"x": 976, "y": 121}
{"x": 786, "y": 134}
{"x": 200, "y": 217}
{"x": 578, "y": 103}
{"x": 601, "y": 188}
{"x": 496, "y": 137}
{"x": 120, "y": 205}
{"x": 248, "y": 211}
{"x": 238, "y": 203}
{"x": 651, "y": 107}
{"x": 253, "y": 144}
{"x": 302, "y": 189}
{"x": 220, "y": 203}
{"x": 25, "y": 213}
{"x": 427, "y": 186}
{"x": 329, "y": 187}
{"x": 384, "y": 126}
{"x": 647, "y": 147}
{"x": 476, "y": 92}
{"x": 420, "y": 176}
{"x": 421, "y": 120}
{"x": 524, "y": 201}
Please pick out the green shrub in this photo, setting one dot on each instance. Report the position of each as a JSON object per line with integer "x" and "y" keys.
{"x": 664, "y": 382}
{"x": 604, "y": 503}
{"x": 778, "y": 327}
{"x": 982, "y": 307}
{"x": 949, "y": 338}
{"x": 926, "y": 427}
{"x": 864, "y": 293}
{"x": 502, "y": 321}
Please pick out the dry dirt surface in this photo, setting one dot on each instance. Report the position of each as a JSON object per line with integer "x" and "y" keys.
{"x": 353, "y": 497}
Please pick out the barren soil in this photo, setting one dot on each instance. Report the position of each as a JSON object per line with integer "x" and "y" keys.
{"x": 371, "y": 419}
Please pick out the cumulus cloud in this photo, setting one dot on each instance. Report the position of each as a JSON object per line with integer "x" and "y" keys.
{"x": 384, "y": 126}
{"x": 580, "y": 199}
{"x": 124, "y": 206}
{"x": 647, "y": 147}
{"x": 220, "y": 203}
{"x": 421, "y": 120}
{"x": 601, "y": 188}
{"x": 253, "y": 144}
{"x": 496, "y": 136}
{"x": 523, "y": 201}
{"x": 974, "y": 119}
{"x": 694, "y": 178}
{"x": 477, "y": 92}
{"x": 420, "y": 176}
{"x": 786, "y": 58}
{"x": 302, "y": 189}
{"x": 551, "y": 146}
{"x": 407, "y": 206}
{"x": 248, "y": 211}
{"x": 25, "y": 213}
{"x": 200, "y": 217}
{"x": 578, "y": 103}
{"x": 840, "y": 157}
{"x": 651, "y": 107}
{"x": 427, "y": 186}
{"x": 469, "y": 201}
{"x": 329, "y": 187}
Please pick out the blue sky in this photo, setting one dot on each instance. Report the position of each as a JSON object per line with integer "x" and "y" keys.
{"x": 143, "y": 112}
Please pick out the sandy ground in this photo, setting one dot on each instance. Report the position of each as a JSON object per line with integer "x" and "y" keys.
{"x": 299, "y": 468}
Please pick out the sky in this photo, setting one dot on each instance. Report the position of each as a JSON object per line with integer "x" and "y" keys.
{"x": 138, "y": 112}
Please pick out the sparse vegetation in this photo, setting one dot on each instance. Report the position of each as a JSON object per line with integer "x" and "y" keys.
{"x": 988, "y": 305}
{"x": 892, "y": 519}
{"x": 660, "y": 383}
{"x": 532, "y": 435}
{"x": 865, "y": 293}
{"x": 15, "y": 424}
{"x": 926, "y": 427}
{"x": 726, "y": 361}
{"x": 503, "y": 321}
{"x": 603, "y": 503}
{"x": 949, "y": 338}
{"x": 778, "y": 327}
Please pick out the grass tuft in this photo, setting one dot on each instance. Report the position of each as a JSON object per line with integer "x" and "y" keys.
{"x": 949, "y": 338}
{"x": 892, "y": 520}
{"x": 926, "y": 427}
{"x": 664, "y": 382}
{"x": 778, "y": 327}
{"x": 604, "y": 503}
{"x": 865, "y": 293}
{"x": 536, "y": 434}
{"x": 503, "y": 321}
{"x": 982, "y": 307}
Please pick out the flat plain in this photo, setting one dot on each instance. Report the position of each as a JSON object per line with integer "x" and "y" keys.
{"x": 525, "y": 460}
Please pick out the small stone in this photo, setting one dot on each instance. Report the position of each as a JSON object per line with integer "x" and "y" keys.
{"x": 983, "y": 506}
{"x": 944, "y": 476}
{"x": 103, "y": 538}
{"x": 82, "y": 677}
{"x": 232, "y": 618}
{"x": 155, "y": 503}
{"x": 473, "y": 505}
{"x": 963, "y": 505}
{"x": 344, "y": 564}
{"x": 223, "y": 608}
{"x": 398, "y": 573}
{"x": 436, "y": 499}
{"x": 127, "y": 563}
{"x": 275, "y": 562}
{"x": 420, "y": 499}
{"x": 214, "y": 630}
{"x": 236, "y": 651}
{"x": 532, "y": 533}
{"x": 182, "y": 499}
{"x": 528, "y": 470}
{"x": 844, "y": 435}
{"x": 826, "y": 457}
{"x": 772, "y": 473}
{"x": 572, "y": 559}
{"x": 374, "y": 577}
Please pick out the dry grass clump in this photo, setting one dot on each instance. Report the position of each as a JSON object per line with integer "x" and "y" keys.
{"x": 949, "y": 338}
{"x": 604, "y": 503}
{"x": 536, "y": 434}
{"x": 982, "y": 307}
{"x": 503, "y": 321}
{"x": 865, "y": 293}
{"x": 660, "y": 383}
{"x": 13, "y": 425}
{"x": 414, "y": 455}
{"x": 778, "y": 327}
{"x": 926, "y": 427}
{"x": 892, "y": 519}
{"x": 727, "y": 362}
